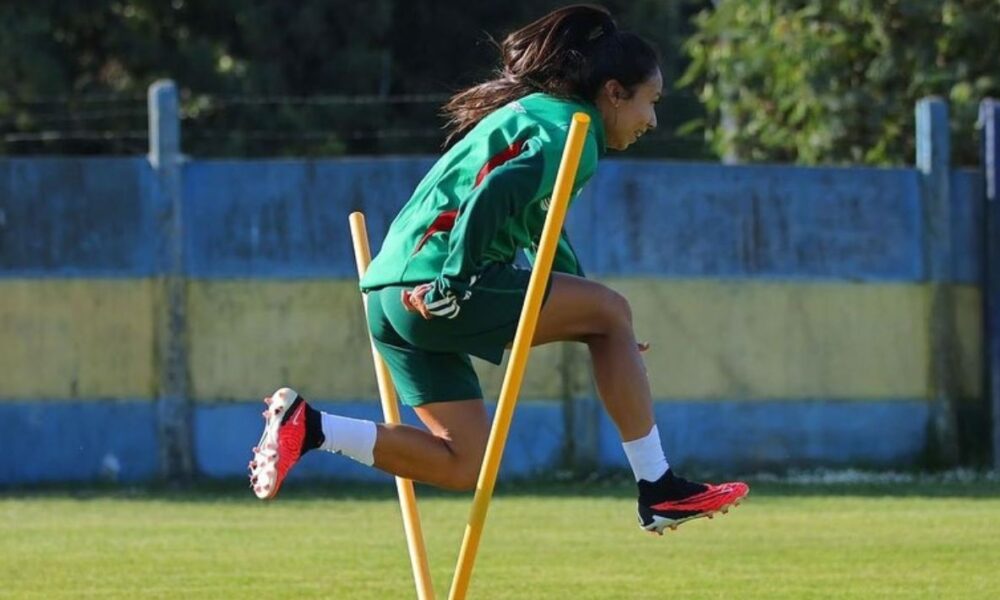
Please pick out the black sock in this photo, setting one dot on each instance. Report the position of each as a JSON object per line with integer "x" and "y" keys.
{"x": 314, "y": 429}
{"x": 668, "y": 487}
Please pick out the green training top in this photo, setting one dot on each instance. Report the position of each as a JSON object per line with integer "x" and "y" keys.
{"x": 484, "y": 200}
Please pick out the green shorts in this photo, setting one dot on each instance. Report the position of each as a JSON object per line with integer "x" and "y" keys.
{"x": 429, "y": 359}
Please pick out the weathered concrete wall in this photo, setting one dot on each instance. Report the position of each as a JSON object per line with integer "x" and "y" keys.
{"x": 788, "y": 309}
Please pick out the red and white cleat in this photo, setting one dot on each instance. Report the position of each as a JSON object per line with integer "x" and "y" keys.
{"x": 281, "y": 445}
{"x": 674, "y": 500}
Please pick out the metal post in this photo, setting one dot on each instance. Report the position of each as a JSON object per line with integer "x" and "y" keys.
{"x": 934, "y": 165}
{"x": 989, "y": 121}
{"x": 173, "y": 403}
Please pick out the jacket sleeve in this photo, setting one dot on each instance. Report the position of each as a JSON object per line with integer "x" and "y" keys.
{"x": 565, "y": 260}
{"x": 507, "y": 189}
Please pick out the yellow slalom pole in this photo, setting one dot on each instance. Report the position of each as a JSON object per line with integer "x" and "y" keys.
{"x": 404, "y": 487}
{"x": 519, "y": 353}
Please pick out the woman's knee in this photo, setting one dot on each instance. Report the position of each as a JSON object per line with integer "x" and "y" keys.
{"x": 615, "y": 311}
{"x": 579, "y": 309}
{"x": 464, "y": 474}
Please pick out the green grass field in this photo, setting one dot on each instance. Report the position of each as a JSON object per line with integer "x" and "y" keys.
{"x": 569, "y": 541}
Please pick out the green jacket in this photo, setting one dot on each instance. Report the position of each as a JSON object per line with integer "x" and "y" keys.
{"x": 484, "y": 200}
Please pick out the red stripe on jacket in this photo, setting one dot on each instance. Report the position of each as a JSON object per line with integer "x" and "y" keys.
{"x": 500, "y": 158}
{"x": 446, "y": 220}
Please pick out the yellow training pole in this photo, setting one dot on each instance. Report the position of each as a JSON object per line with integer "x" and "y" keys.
{"x": 519, "y": 353}
{"x": 404, "y": 487}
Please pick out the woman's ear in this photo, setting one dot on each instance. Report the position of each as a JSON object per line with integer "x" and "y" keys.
{"x": 615, "y": 91}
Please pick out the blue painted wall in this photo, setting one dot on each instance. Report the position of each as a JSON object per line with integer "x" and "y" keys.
{"x": 76, "y": 217}
{"x": 224, "y": 434}
{"x": 115, "y": 440}
{"x": 636, "y": 218}
{"x": 262, "y": 220}
{"x": 967, "y": 225}
{"x": 740, "y": 435}
{"x": 288, "y": 218}
{"x": 48, "y": 441}
{"x": 679, "y": 220}
{"x": 97, "y": 217}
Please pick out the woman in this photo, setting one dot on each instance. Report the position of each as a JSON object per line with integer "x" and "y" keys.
{"x": 444, "y": 286}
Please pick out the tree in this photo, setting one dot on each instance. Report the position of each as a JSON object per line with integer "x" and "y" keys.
{"x": 836, "y": 80}
{"x": 272, "y": 77}
{"x": 227, "y": 57}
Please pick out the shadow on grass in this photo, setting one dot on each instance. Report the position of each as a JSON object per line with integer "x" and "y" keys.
{"x": 605, "y": 485}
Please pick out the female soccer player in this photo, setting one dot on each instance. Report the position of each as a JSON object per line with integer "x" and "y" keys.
{"x": 444, "y": 286}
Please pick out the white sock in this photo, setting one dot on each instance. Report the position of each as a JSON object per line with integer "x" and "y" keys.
{"x": 646, "y": 456}
{"x": 353, "y": 438}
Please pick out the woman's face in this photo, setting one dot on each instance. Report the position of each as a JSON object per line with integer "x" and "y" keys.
{"x": 627, "y": 118}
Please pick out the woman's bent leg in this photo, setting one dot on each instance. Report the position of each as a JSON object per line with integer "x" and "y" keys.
{"x": 448, "y": 455}
{"x": 585, "y": 311}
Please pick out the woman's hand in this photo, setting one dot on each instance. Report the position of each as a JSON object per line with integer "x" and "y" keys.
{"x": 413, "y": 300}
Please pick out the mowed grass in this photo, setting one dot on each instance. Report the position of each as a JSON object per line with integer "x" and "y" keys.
{"x": 570, "y": 541}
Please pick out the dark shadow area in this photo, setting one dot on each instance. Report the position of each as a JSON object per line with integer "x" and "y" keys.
{"x": 610, "y": 485}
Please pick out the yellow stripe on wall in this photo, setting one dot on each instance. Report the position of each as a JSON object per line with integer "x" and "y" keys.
{"x": 554, "y": 371}
{"x": 711, "y": 339}
{"x": 94, "y": 338}
{"x": 714, "y": 339}
{"x": 969, "y": 328}
{"x": 77, "y": 338}
{"x": 250, "y": 337}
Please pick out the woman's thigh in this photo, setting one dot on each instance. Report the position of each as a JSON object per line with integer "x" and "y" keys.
{"x": 577, "y": 308}
{"x": 463, "y": 424}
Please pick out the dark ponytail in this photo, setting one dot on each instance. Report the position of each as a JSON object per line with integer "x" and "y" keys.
{"x": 570, "y": 52}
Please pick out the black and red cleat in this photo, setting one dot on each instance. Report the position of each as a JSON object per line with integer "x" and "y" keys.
{"x": 672, "y": 500}
{"x": 291, "y": 429}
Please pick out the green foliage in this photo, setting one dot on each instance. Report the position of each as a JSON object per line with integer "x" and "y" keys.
{"x": 836, "y": 80}
{"x": 219, "y": 52}
{"x": 272, "y": 77}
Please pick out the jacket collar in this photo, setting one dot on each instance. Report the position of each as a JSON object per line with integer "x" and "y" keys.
{"x": 574, "y": 105}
